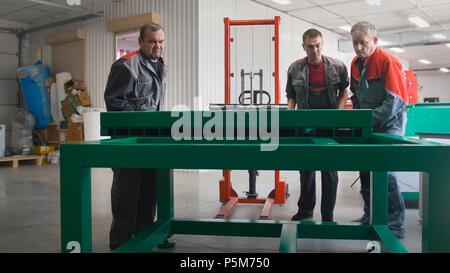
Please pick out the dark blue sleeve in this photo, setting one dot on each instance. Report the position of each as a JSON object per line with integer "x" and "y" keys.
{"x": 120, "y": 84}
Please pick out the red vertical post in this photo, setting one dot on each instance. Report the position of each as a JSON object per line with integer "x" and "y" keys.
{"x": 225, "y": 193}
{"x": 227, "y": 60}
{"x": 277, "y": 88}
{"x": 277, "y": 60}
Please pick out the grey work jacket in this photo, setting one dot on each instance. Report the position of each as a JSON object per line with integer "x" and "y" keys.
{"x": 336, "y": 77}
{"x": 133, "y": 84}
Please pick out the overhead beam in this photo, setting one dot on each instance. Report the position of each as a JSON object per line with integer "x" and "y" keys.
{"x": 404, "y": 39}
{"x": 63, "y": 22}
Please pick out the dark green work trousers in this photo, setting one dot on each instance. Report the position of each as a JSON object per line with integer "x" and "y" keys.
{"x": 133, "y": 203}
{"x": 307, "y": 199}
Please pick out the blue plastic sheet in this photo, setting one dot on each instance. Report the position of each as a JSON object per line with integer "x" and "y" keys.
{"x": 32, "y": 82}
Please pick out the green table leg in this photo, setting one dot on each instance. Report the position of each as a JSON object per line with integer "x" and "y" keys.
{"x": 388, "y": 238}
{"x": 378, "y": 198}
{"x": 165, "y": 203}
{"x": 165, "y": 193}
{"x": 436, "y": 210}
{"x": 379, "y": 212}
{"x": 148, "y": 238}
{"x": 288, "y": 238}
{"x": 75, "y": 197}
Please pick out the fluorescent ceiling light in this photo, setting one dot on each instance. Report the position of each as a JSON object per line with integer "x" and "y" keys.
{"x": 55, "y": 5}
{"x": 418, "y": 21}
{"x": 282, "y": 2}
{"x": 397, "y": 49}
{"x": 439, "y": 36}
{"x": 424, "y": 61}
{"x": 346, "y": 28}
{"x": 444, "y": 70}
{"x": 73, "y": 2}
{"x": 373, "y": 2}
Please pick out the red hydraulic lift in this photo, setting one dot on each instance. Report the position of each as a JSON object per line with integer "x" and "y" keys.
{"x": 227, "y": 194}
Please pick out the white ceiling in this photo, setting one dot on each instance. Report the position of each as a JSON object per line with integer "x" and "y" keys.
{"x": 390, "y": 17}
{"x": 32, "y": 13}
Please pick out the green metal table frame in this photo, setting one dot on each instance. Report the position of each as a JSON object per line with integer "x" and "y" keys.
{"x": 426, "y": 119}
{"x": 340, "y": 140}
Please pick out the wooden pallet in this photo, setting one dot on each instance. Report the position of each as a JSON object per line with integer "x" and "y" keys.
{"x": 13, "y": 161}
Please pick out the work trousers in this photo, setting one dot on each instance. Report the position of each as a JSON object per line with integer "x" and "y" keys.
{"x": 307, "y": 199}
{"x": 396, "y": 203}
{"x": 133, "y": 203}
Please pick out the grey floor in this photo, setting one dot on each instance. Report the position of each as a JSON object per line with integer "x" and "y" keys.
{"x": 29, "y": 211}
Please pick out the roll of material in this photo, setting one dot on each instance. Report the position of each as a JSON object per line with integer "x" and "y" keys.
{"x": 91, "y": 119}
{"x": 54, "y": 103}
{"x": 61, "y": 79}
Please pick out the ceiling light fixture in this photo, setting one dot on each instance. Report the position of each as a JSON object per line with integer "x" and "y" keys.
{"x": 397, "y": 49}
{"x": 282, "y": 2}
{"x": 373, "y": 2}
{"x": 418, "y": 21}
{"x": 73, "y": 2}
{"x": 346, "y": 28}
{"x": 444, "y": 70}
{"x": 424, "y": 61}
{"x": 439, "y": 36}
{"x": 55, "y": 5}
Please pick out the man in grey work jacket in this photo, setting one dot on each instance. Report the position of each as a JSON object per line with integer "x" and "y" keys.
{"x": 136, "y": 83}
{"x": 316, "y": 82}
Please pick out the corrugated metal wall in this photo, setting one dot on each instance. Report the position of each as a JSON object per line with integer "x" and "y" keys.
{"x": 180, "y": 20}
{"x": 194, "y": 46}
{"x": 8, "y": 81}
{"x": 211, "y": 61}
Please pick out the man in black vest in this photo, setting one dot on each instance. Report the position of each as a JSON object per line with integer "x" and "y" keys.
{"x": 316, "y": 82}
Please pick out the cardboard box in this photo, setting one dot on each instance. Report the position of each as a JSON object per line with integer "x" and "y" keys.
{"x": 69, "y": 106}
{"x": 53, "y": 136}
{"x": 48, "y": 82}
{"x": 50, "y": 133}
{"x": 84, "y": 99}
{"x": 74, "y": 84}
{"x": 75, "y": 132}
{"x": 42, "y": 150}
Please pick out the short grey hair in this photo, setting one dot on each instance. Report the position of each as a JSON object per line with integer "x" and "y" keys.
{"x": 363, "y": 28}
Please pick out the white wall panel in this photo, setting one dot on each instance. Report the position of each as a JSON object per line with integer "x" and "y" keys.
{"x": 433, "y": 84}
{"x": 8, "y": 69}
{"x": 8, "y": 91}
{"x": 8, "y": 80}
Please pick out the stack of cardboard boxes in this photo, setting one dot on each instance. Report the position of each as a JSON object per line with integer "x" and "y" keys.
{"x": 68, "y": 130}
{"x": 76, "y": 95}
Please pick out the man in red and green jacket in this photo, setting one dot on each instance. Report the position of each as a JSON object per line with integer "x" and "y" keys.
{"x": 377, "y": 82}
